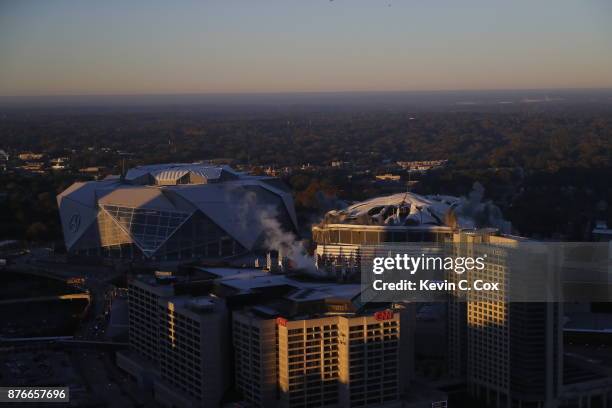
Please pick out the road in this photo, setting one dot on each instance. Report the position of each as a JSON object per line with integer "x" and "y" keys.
{"x": 91, "y": 366}
{"x": 105, "y": 382}
{"x": 46, "y": 298}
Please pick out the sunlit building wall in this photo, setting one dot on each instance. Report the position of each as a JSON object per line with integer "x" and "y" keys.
{"x": 509, "y": 352}
{"x": 331, "y": 361}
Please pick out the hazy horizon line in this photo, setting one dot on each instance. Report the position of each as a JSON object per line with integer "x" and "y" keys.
{"x": 238, "y": 93}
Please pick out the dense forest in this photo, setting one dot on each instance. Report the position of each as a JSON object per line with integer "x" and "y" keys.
{"x": 549, "y": 171}
{"x": 542, "y": 141}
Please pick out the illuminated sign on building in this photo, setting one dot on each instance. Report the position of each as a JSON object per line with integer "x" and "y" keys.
{"x": 383, "y": 315}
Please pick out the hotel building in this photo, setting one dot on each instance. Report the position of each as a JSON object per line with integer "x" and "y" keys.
{"x": 331, "y": 361}
{"x": 178, "y": 349}
{"x": 509, "y": 352}
{"x": 294, "y": 342}
{"x": 193, "y": 357}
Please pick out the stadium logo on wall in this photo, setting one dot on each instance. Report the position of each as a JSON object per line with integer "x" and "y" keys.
{"x": 75, "y": 223}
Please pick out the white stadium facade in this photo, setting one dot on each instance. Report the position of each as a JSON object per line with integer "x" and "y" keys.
{"x": 172, "y": 212}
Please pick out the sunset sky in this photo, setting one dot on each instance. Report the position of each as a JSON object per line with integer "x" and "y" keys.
{"x": 60, "y": 47}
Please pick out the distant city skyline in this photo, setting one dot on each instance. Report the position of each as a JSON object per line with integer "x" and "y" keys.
{"x": 65, "y": 47}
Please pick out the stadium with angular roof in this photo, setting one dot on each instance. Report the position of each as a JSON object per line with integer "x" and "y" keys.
{"x": 173, "y": 212}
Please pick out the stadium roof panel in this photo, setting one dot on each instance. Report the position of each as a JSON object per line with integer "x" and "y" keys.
{"x": 174, "y": 173}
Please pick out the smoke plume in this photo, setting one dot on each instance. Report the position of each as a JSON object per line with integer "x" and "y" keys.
{"x": 476, "y": 213}
{"x": 284, "y": 242}
{"x": 253, "y": 215}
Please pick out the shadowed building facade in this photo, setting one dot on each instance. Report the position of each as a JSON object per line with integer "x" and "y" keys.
{"x": 509, "y": 352}
{"x": 279, "y": 341}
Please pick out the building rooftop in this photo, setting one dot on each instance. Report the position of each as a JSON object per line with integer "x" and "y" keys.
{"x": 246, "y": 280}
{"x": 422, "y": 211}
{"x": 395, "y": 210}
{"x": 179, "y": 173}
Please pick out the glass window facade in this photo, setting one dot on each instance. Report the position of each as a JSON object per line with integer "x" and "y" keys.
{"x": 149, "y": 228}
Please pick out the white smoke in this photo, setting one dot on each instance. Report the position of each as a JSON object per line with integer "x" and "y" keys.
{"x": 252, "y": 215}
{"x": 475, "y": 213}
{"x": 286, "y": 243}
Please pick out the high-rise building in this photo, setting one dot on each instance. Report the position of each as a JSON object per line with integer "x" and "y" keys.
{"x": 254, "y": 338}
{"x": 141, "y": 360}
{"x": 178, "y": 347}
{"x": 509, "y": 352}
{"x": 317, "y": 348}
{"x": 143, "y": 313}
{"x": 193, "y": 352}
{"x": 293, "y": 341}
{"x": 348, "y": 361}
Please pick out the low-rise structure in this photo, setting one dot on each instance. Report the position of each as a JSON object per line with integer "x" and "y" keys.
{"x": 388, "y": 177}
{"x": 33, "y": 167}
{"x": 421, "y": 166}
{"x": 59, "y": 163}
{"x": 30, "y": 156}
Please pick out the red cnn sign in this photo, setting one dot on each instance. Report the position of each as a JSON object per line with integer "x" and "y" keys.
{"x": 281, "y": 321}
{"x": 383, "y": 315}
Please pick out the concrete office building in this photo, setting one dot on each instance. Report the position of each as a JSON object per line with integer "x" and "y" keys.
{"x": 193, "y": 353}
{"x": 511, "y": 353}
{"x": 144, "y": 297}
{"x": 255, "y": 356}
{"x": 294, "y": 341}
{"x": 333, "y": 361}
{"x": 178, "y": 343}
{"x": 317, "y": 348}
{"x": 145, "y": 294}
{"x": 173, "y": 212}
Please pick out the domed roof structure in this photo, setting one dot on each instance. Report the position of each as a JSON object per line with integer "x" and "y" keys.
{"x": 412, "y": 210}
{"x": 172, "y": 211}
{"x": 396, "y": 210}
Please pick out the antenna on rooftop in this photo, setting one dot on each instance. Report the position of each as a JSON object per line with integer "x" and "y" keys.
{"x": 171, "y": 145}
{"x": 122, "y": 177}
{"x": 408, "y": 183}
